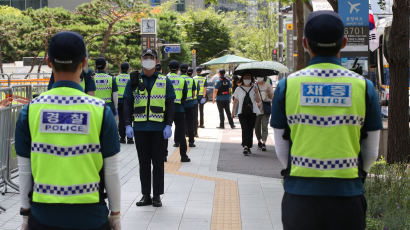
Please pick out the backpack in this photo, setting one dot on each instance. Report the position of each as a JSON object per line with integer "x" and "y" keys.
{"x": 224, "y": 89}
{"x": 247, "y": 105}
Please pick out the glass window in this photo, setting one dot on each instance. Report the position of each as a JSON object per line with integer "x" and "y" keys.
{"x": 19, "y": 4}
{"x": 5, "y": 2}
{"x": 35, "y": 4}
{"x": 181, "y": 6}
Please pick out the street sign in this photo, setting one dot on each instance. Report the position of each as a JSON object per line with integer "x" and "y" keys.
{"x": 148, "y": 41}
{"x": 172, "y": 49}
{"x": 289, "y": 26}
{"x": 354, "y": 12}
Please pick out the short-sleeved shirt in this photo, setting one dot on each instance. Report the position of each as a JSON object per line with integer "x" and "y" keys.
{"x": 61, "y": 215}
{"x": 149, "y": 83}
{"x": 199, "y": 88}
{"x": 85, "y": 75}
{"x": 223, "y": 97}
{"x": 318, "y": 186}
{"x": 240, "y": 95}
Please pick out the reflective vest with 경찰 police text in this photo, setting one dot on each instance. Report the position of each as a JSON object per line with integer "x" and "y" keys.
{"x": 325, "y": 109}
{"x": 178, "y": 83}
{"x": 65, "y": 126}
{"x": 151, "y": 106}
{"x": 121, "y": 81}
{"x": 103, "y": 83}
{"x": 190, "y": 82}
{"x": 200, "y": 82}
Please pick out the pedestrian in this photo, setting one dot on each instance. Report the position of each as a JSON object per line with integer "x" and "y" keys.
{"x": 202, "y": 85}
{"x": 326, "y": 122}
{"x": 222, "y": 96}
{"x": 107, "y": 88}
{"x": 246, "y": 100}
{"x": 262, "y": 120}
{"x": 86, "y": 81}
{"x": 121, "y": 80}
{"x": 66, "y": 154}
{"x": 189, "y": 104}
{"x": 236, "y": 82}
{"x": 180, "y": 87}
{"x": 150, "y": 99}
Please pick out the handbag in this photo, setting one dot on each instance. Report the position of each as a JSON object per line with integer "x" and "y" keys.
{"x": 267, "y": 106}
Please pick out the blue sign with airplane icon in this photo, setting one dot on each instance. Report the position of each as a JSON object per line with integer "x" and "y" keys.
{"x": 354, "y": 12}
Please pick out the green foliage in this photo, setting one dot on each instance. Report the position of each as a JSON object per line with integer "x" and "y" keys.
{"x": 388, "y": 196}
{"x": 205, "y": 32}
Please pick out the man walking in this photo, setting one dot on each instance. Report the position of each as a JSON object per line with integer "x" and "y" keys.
{"x": 326, "y": 121}
{"x": 107, "y": 88}
{"x": 201, "y": 84}
{"x": 189, "y": 104}
{"x": 66, "y": 153}
{"x": 222, "y": 96}
{"x": 121, "y": 81}
{"x": 150, "y": 99}
{"x": 180, "y": 88}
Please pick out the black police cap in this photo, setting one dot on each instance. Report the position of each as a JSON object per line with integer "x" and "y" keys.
{"x": 184, "y": 67}
{"x": 222, "y": 72}
{"x": 158, "y": 67}
{"x": 190, "y": 70}
{"x": 66, "y": 48}
{"x": 198, "y": 69}
{"x": 173, "y": 65}
{"x": 150, "y": 52}
{"x": 324, "y": 28}
{"x": 100, "y": 62}
{"x": 125, "y": 66}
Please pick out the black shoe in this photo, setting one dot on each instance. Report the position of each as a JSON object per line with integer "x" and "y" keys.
{"x": 145, "y": 200}
{"x": 196, "y": 135}
{"x": 185, "y": 159}
{"x": 245, "y": 151}
{"x": 122, "y": 141}
{"x": 220, "y": 127}
{"x": 202, "y": 126}
{"x": 249, "y": 151}
{"x": 130, "y": 141}
{"x": 263, "y": 147}
{"x": 176, "y": 145}
{"x": 192, "y": 145}
{"x": 260, "y": 145}
{"x": 156, "y": 201}
{"x": 233, "y": 126}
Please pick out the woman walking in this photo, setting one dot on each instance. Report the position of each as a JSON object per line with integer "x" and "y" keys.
{"x": 262, "y": 120}
{"x": 247, "y": 98}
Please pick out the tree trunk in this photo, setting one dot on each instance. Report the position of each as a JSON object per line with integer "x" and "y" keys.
{"x": 45, "y": 56}
{"x": 106, "y": 39}
{"x": 300, "y": 21}
{"x": 32, "y": 63}
{"x": 398, "y": 134}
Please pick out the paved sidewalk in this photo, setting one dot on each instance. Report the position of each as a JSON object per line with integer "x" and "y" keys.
{"x": 197, "y": 195}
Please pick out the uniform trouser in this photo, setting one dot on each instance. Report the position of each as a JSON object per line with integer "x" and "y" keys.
{"x": 121, "y": 122}
{"x": 196, "y": 119}
{"x": 150, "y": 146}
{"x": 323, "y": 213}
{"x": 224, "y": 105}
{"x": 201, "y": 114}
{"x": 190, "y": 123}
{"x": 247, "y": 125}
{"x": 261, "y": 127}
{"x": 33, "y": 224}
{"x": 179, "y": 136}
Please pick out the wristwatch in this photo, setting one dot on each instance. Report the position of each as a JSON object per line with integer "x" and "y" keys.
{"x": 24, "y": 212}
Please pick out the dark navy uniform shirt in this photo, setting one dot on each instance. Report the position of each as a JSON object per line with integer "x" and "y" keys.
{"x": 223, "y": 97}
{"x": 88, "y": 81}
{"x": 325, "y": 187}
{"x": 61, "y": 215}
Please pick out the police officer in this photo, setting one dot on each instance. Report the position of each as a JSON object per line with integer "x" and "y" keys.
{"x": 150, "y": 99}
{"x": 86, "y": 81}
{"x": 222, "y": 96}
{"x": 331, "y": 118}
{"x": 121, "y": 81}
{"x": 201, "y": 84}
{"x": 189, "y": 104}
{"x": 180, "y": 88}
{"x": 63, "y": 153}
{"x": 107, "y": 88}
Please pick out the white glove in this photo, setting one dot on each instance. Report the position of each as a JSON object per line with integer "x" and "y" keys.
{"x": 115, "y": 222}
{"x": 24, "y": 225}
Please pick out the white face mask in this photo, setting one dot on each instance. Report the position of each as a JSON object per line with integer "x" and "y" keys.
{"x": 247, "y": 82}
{"x": 148, "y": 64}
{"x": 260, "y": 79}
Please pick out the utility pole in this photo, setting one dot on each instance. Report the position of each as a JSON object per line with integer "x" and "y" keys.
{"x": 280, "y": 59}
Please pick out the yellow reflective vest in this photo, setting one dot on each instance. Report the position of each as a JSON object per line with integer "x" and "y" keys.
{"x": 103, "y": 83}
{"x": 150, "y": 106}
{"x": 190, "y": 83}
{"x": 325, "y": 109}
{"x": 65, "y": 126}
{"x": 121, "y": 81}
{"x": 200, "y": 82}
{"x": 178, "y": 83}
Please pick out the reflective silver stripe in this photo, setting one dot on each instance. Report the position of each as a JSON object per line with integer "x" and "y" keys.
{"x": 67, "y": 100}
{"x": 103, "y": 88}
{"x": 325, "y": 73}
{"x": 157, "y": 96}
{"x": 65, "y": 151}
{"x": 178, "y": 89}
{"x": 325, "y": 121}
{"x": 324, "y": 164}
{"x": 72, "y": 190}
{"x": 159, "y": 116}
{"x": 177, "y": 100}
{"x": 107, "y": 99}
{"x": 140, "y": 115}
